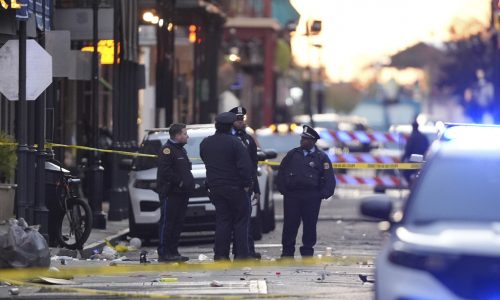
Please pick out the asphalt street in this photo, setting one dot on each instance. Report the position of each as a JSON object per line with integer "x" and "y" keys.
{"x": 353, "y": 238}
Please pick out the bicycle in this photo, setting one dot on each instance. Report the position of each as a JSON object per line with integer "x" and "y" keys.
{"x": 73, "y": 216}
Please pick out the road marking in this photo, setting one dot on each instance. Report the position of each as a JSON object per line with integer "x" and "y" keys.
{"x": 183, "y": 288}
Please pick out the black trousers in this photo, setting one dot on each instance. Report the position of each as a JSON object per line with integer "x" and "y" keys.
{"x": 231, "y": 212}
{"x": 173, "y": 211}
{"x": 300, "y": 206}
{"x": 251, "y": 242}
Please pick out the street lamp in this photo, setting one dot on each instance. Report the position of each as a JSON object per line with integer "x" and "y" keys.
{"x": 313, "y": 28}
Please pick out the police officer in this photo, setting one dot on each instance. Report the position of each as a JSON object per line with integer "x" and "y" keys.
{"x": 305, "y": 177}
{"x": 239, "y": 131}
{"x": 417, "y": 144}
{"x": 175, "y": 183}
{"x": 229, "y": 179}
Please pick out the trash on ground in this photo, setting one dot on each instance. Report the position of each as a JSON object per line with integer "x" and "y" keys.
{"x": 365, "y": 279}
{"x": 136, "y": 243}
{"x": 22, "y": 246}
{"x": 143, "y": 257}
{"x": 56, "y": 281}
{"x": 14, "y": 291}
{"x": 328, "y": 251}
{"x": 216, "y": 283}
{"x": 203, "y": 257}
{"x": 169, "y": 279}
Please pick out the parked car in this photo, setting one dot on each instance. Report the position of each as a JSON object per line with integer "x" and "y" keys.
{"x": 445, "y": 243}
{"x": 144, "y": 212}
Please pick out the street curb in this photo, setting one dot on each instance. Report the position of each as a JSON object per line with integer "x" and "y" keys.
{"x": 88, "y": 250}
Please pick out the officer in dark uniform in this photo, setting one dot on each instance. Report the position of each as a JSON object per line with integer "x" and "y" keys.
{"x": 305, "y": 177}
{"x": 175, "y": 183}
{"x": 239, "y": 131}
{"x": 229, "y": 179}
{"x": 417, "y": 143}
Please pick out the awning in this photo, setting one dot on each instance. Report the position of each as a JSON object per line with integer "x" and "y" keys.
{"x": 284, "y": 12}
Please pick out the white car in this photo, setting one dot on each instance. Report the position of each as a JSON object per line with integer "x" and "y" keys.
{"x": 144, "y": 212}
{"x": 445, "y": 242}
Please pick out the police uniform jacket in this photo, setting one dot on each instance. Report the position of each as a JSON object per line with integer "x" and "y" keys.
{"x": 226, "y": 160}
{"x": 306, "y": 173}
{"x": 252, "y": 151}
{"x": 174, "y": 170}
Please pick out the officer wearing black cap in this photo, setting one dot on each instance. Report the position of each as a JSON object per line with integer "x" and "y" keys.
{"x": 305, "y": 177}
{"x": 239, "y": 131}
{"x": 229, "y": 179}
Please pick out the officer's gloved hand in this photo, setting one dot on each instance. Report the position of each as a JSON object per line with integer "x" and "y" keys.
{"x": 255, "y": 199}
{"x": 246, "y": 189}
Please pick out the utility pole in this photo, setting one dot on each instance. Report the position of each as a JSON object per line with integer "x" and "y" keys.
{"x": 95, "y": 172}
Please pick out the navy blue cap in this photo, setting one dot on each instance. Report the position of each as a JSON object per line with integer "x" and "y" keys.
{"x": 309, "y": 133}
{"x": 239, "y": 110}
{"x": 225, "y": 118}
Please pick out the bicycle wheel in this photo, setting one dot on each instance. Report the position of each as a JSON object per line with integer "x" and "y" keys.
{"x": 75, "y": 225}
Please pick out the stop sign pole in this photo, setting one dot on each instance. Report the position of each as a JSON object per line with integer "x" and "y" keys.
{"x": 24, "y": 209}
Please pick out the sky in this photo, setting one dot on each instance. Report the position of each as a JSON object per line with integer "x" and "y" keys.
{"x": 357, "y": 33}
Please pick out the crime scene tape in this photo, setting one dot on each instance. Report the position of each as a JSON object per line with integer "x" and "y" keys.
{"x": 363, "y": 158}
{"x": 27, "y": 274}
{"x": 368, "y": 137}
{"x": 336, "y": 165}
{"x": 373, "y": 166}
{"x": 386, "y": 181}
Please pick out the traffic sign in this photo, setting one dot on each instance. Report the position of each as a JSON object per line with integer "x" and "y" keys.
{"x": 38, "y": 70}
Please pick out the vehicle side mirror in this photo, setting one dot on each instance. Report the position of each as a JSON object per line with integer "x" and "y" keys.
{"x": 377, "y": 206}
{"x": 126, "y": 164}
{"x": 271, "y": 154}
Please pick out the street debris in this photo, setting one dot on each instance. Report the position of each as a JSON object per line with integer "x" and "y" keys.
{"x": 136, "y": 243}
{"x": 22, "y": 246}
{"x": 216, "y": 283}
{"x": 14, "y": 291}
{"x": 203, "y": 257}
{"x": 365, "y": 279}
{"x": 143, "y": 257}
{"x": 168, "y": 279}
{"x": 55, "y": 281}
{"x": 328, "y": 251}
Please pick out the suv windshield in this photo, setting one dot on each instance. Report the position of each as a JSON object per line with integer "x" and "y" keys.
{"x": 153, "y": 146}
{"x": 457, "y": 188}
{"x": 280, "y": 143}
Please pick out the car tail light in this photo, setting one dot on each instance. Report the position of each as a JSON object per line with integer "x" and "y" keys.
{"x": 145, "y": 184}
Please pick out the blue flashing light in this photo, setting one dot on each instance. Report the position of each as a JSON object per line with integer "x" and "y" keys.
{"x": 473, "y": 134}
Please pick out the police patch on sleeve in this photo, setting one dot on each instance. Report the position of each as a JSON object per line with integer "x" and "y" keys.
{"x": 166, "y": 151}
{"x": 326, "y": 166}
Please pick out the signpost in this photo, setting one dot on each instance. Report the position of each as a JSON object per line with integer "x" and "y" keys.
{"x": 38, "y": 70}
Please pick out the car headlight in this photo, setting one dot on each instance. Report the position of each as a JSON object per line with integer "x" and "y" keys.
{"x": 432, "y": 262}
{"x": 145, "y": 184}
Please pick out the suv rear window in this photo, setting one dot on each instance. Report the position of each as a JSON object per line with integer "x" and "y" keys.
{"x": 148, "y": 147}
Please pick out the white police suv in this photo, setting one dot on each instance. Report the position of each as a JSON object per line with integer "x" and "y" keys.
{"x": 445, "y": 242}
{"x": 144, "y": 211}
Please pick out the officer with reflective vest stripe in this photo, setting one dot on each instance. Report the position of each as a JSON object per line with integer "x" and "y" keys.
{"x": 305, "y": 177}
